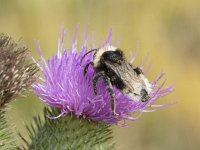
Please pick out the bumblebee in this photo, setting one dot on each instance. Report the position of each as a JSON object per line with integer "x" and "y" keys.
{"x": 110, "y": 65}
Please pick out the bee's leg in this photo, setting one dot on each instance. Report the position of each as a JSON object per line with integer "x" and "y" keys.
{"x": 112, "y": 94}
{"x": 96, "y": 78}
{"x": 110, "y": 88}
{"x": 86, "y": 67}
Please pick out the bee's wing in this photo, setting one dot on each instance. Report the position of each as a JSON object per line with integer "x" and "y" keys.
{"x": 124, "y": 71}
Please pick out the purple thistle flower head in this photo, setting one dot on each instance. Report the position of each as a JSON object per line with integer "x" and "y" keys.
{"x": 64, "y": 86}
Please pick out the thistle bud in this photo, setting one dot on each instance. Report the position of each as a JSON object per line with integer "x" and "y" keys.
{"x": 16, "y": 72}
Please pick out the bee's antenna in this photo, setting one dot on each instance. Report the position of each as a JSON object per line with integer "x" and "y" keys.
{"x": 87, "y": 53}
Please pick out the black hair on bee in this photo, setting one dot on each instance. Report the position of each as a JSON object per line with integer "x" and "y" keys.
{"x": 110, "y": 65}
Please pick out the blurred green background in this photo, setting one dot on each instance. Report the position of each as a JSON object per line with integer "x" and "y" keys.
{"x": 168, "y": 29}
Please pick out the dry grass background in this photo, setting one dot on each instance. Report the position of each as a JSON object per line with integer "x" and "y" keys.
{"x": 168, "y": 29}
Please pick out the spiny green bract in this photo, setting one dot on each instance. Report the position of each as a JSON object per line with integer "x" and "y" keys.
{"x": 68, "y": 133}
{"x": 6, "y": 141}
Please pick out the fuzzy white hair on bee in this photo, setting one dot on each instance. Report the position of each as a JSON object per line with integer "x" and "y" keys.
{"x": 98, "y": 54}
{"x": 110, "y": 65}
{"x": 141, "y": 89}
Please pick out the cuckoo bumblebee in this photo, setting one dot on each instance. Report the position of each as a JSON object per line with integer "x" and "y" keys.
{"x": 111, "y": 65}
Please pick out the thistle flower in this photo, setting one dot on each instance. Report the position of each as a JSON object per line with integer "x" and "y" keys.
{"x": 16, "y": 74}
{"x": 65, "y": 87}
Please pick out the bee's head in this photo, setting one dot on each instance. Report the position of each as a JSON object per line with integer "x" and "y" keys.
{"x": 142, "y": 87}
{"x": 100, "y": 52}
